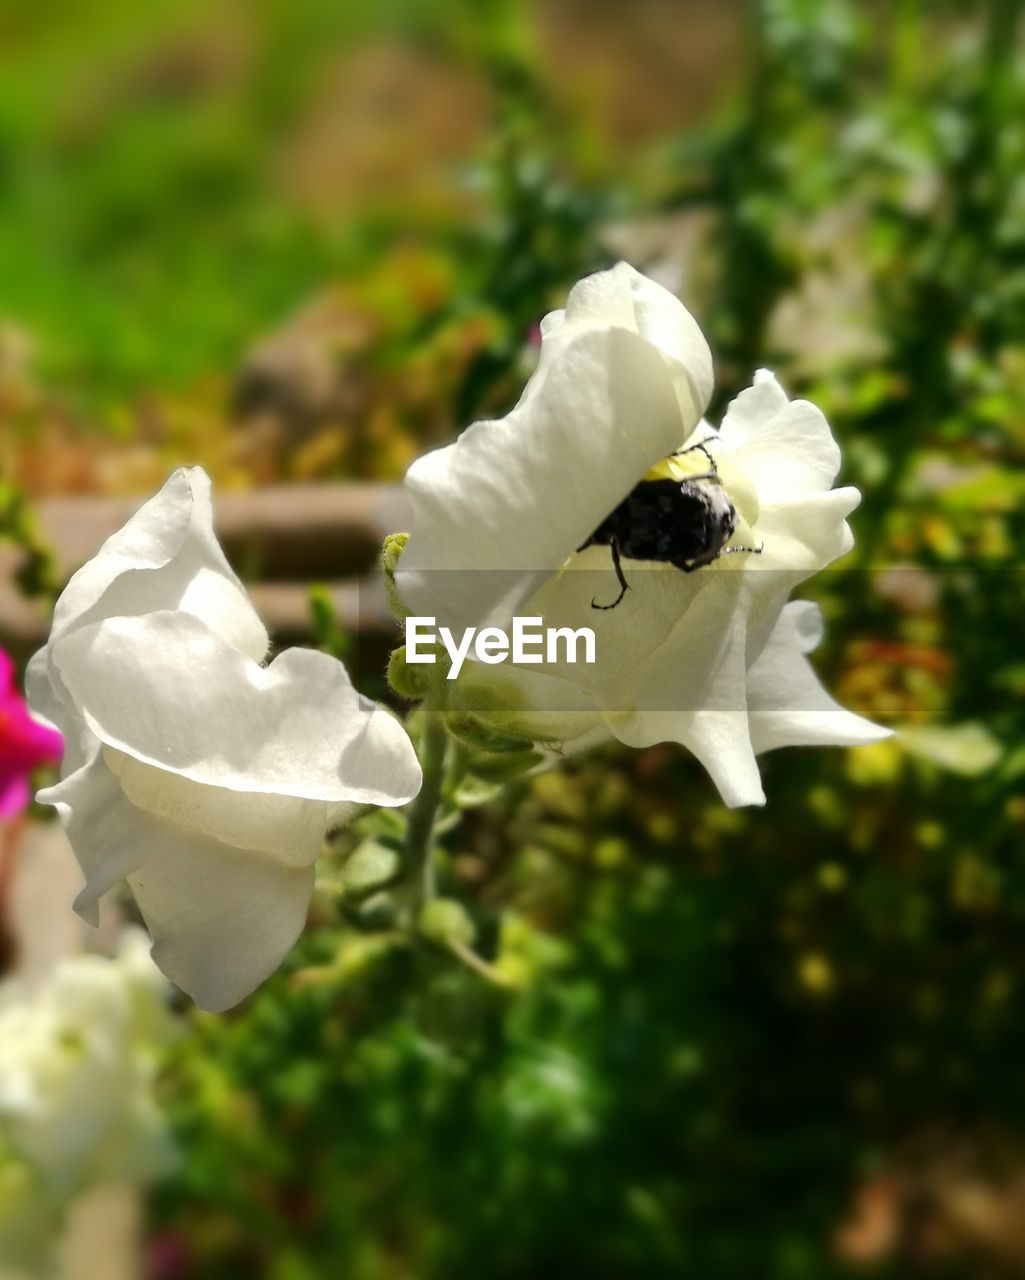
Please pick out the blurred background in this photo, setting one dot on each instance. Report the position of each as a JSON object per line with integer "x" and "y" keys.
{"x": 299, "y": 241}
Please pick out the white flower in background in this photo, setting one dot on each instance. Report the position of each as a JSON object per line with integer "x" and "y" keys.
{"x": 711, "y": 658}
{"x": 205, "y": 778}
{"x": 78, "y": 1058}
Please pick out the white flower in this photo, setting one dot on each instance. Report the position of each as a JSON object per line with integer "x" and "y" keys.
{"x": 623, "y": 377}
{"x": 77, "y": 1065}
{"x": 710, "y": 658}
{"x": 203, "y": 777}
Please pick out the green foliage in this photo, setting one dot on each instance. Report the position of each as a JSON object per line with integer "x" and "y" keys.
{"x": 149, "y": 229}
{"x": 327, "y": 631}
{"x": 35, "y": 575}
{"x": 690, "y": 1048}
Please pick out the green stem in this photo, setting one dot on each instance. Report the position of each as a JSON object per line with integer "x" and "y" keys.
{"x": 424, "y": 811}
{"x": 466, "y": 955}
{"x": 444, "y": 763}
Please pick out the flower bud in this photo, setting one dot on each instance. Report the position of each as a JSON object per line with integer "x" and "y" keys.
{"x": 415, "y": 680}
{"x": 472, "y": 732}
{"x": 393, "y": 547}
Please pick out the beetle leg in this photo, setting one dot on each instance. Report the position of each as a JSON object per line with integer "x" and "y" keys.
{"x": 752, "y": 551}
{"x": 624, "y": 586}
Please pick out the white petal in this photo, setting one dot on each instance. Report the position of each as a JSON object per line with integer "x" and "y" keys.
{"x": 806, "y": 625}
{"x": 39, "y": 694}
{"x": 624, "y": 298}
{"x": 798, "y": 539}
{"x": 671, "y": 666}
{"x": 504, "y": 506}
{"x": 805, "y": 534}
{"x": 102, "y": 829}
{"x": 658, "y": 597}
{"x": 748, "y": 413}
{"x": 788, "y": 705}
{"x": 165, "y": 557}
{"x": 692, "y": 691}
{"x": 702, "y": 662}
{"x": 46, "y": 705}
{"x": 785, "y": 446}
{"x": 170, "y": 693}
{"x": 287, "y": 828}
{"x": 222, "y": 918}
{"x": 720, "y": 740}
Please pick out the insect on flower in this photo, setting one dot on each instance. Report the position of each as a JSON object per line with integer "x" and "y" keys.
{"x": 686, "y": 522}
{"x": 594, "y": 466}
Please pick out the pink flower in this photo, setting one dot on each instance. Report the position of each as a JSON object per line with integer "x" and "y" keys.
{"x": 24, "y": 744}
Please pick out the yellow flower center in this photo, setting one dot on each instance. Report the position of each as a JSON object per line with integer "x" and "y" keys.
{"x": 686, "y": 466}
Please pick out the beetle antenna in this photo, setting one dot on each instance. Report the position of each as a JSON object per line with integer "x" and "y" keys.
{"x": 692, "y": 448}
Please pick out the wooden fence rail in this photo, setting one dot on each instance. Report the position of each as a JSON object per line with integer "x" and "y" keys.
{"x": 280, "y": 540}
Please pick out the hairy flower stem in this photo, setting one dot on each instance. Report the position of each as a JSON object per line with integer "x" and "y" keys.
{"x": 424, "y": 810}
